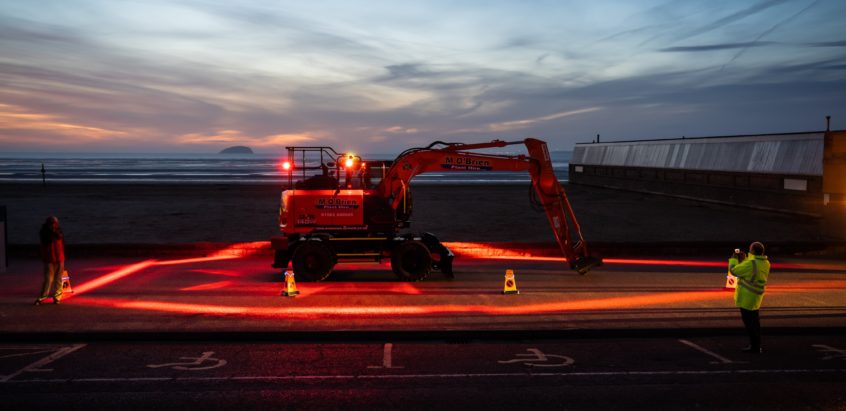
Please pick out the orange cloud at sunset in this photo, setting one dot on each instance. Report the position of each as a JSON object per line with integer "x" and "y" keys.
{"x": 238, "y": 137}
{"x": 18, "y": 123}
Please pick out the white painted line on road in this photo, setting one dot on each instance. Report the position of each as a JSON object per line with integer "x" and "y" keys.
{"x": 833, "y": 353}
{"x": 128, "y": 379}
{"x": 25, "y": 354}
{"x": 386, "y": 358}
{"x": 425, "y": 376}
{"x": 36, "y": 366}
{"x": 723, "y": 360}
{"x": 296, "y": 377}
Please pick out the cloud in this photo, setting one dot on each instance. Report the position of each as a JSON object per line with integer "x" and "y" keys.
{"x": 712, "y": 47}
{"x": 841, "y": 43}
{"x": 219, "y": 137}
{"x": 747, "y": 12}
{"x": 265, "y": 75}
{"x": 401, "y": 130}
{"x": 15, "y": 121}
{"x": 287, "y": 139}
{"x": 517, "y": 124}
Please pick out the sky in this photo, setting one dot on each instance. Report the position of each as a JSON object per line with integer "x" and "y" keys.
{"x": 382, "y": 76}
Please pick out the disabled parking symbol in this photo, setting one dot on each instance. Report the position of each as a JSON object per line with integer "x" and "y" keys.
{"x": 195, "y": 365}
{"x": 536, "y": 358}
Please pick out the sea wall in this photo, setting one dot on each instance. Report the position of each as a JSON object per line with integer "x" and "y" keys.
{"x": 781, "y": 172}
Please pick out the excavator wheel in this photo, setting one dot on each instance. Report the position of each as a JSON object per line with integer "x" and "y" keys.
{"x": 411, "y": 261}
{"x": 313, "y": 261}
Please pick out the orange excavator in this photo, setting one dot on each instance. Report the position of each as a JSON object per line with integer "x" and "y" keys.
{"x": 325, "y": 220}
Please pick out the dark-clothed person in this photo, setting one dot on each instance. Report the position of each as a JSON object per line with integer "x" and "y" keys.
{"x": 752, "y": 274}
{"x": 53, "y": 256}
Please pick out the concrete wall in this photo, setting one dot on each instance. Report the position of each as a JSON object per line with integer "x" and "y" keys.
{"x": 834, "y": 183}
{"x": 775, "y": 171}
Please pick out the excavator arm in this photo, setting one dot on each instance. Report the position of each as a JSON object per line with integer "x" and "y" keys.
{"x": 548, "y": 192}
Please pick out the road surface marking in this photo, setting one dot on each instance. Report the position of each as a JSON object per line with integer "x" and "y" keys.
{"x": 36, "y": 366}
{"x": 834, "y": 353}
{"x": 722, "y": 360}
{"x": 537, "y": 357}
{"x": 33, "y": 350}
{"x": 386, "y": 358}
{"x": 587, "y": 374}
{"x": 192, "y": 365}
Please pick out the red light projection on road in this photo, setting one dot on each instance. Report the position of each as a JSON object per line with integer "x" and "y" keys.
{"x": 208, "y": 286}
{"x": 488, "y": 251}
{"x": 596, "y": 304}
{"x": 352, "y": 311}
{"x": 110, "y": 277}
{"x": 236, "y": 251}
{"x": 230, "y": 252}
{"x": 233, "y": 251}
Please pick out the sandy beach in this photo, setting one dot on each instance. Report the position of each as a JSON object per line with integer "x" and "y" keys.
{"x": 188, "y": 213}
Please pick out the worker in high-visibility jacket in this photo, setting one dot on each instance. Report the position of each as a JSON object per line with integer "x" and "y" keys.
{"x": 752, "y": 274}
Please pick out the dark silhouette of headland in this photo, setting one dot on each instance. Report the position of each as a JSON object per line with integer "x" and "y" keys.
{"x": 237, "y": 150}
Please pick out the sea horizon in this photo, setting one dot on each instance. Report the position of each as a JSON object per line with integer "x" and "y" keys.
{"x": 212, "y": 168}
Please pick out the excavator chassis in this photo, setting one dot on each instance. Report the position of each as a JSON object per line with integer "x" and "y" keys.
{"x": 412, "y": 257}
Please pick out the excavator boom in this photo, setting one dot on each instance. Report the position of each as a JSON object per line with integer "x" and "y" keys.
{"x": 548, "y": 192}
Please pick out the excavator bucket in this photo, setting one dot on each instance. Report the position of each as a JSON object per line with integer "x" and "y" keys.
{"x": 584, "y": 264}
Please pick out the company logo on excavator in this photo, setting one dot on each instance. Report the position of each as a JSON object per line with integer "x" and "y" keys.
{"x": 335, "y": 203}
{"x": 465, "y": 163}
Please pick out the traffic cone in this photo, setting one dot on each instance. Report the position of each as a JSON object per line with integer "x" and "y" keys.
{"x": 66, "y": 285}
{"x": 290, "y": 285}
{"x": 510, "y": 283}
{"x": 731, "y": 281}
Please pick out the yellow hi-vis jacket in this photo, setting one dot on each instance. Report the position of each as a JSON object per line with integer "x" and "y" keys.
{"x": 752, "y": 276}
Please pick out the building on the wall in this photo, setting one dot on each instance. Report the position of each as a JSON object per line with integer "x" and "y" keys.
{"x": 781, "y": 172}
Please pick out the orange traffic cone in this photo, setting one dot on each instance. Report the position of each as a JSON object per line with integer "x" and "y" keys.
{"x": 510, "y": 283}
{"x": 66, "y": 285}
{"x": 290, "y": 285}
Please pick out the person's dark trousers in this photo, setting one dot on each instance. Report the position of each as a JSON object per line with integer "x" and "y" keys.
{"x": 753, "y": 327}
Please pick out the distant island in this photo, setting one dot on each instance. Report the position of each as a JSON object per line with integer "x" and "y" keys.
{"x": 237, "y": 150}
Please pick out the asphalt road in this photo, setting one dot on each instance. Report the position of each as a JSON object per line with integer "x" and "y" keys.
{"x": 214, "y": 333}
{"x": 795, "y": 372}
{"x": 210, "y": 295}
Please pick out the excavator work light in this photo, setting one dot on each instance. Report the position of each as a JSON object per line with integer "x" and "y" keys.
{"x": 349, "y": 162}
{"x": 287, "y": 166}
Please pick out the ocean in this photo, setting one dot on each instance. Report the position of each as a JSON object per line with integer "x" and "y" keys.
{"x": 206, "y": 168}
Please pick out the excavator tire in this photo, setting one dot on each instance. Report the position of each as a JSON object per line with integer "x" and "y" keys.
{"x": 411, "y": 261}
{"x": 313, "y": 261}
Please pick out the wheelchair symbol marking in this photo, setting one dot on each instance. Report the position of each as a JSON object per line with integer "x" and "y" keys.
{"x": 194, "y": 365}
{"x": 536, "y": 358}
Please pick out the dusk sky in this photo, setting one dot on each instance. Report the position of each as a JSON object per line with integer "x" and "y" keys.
{"x": 382, "y": 76}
